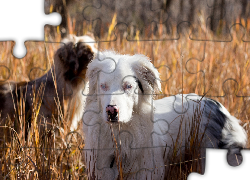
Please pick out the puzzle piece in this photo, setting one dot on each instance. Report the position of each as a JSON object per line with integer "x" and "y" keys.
{"x": 29, "y": 14}
{"x": 220, "y": 169}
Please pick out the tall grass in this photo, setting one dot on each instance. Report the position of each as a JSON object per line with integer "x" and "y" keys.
{"x": 185, "y": 66}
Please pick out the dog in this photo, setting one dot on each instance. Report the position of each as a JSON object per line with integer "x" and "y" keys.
{"x": 49, "y": 96}
{"x": 129, "y": 134}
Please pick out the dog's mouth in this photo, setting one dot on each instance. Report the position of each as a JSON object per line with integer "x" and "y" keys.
{"x": 113, "y": 118}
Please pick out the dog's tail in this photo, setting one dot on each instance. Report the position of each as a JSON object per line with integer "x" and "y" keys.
{"x": 227, "y": 130}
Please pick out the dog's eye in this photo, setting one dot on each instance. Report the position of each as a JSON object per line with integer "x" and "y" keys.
{"x": 104, "y": 87}
{"x": 127, "y": 86}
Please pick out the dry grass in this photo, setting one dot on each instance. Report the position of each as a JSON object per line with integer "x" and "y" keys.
{"x": 59, "y": 155}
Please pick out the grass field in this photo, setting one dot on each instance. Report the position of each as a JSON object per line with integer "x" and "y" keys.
{"x": 186, "y": 66}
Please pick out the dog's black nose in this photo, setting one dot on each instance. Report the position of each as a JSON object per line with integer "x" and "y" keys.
{"x": 112, "y": 112}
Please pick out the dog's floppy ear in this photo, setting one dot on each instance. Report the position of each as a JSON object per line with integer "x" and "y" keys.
{"x": 62, "y": 52}
{"x": 83, "y": 52}
{"x": 74, "y": 57}
{"x": 147, "y": 74}
{"x": 82, "y": 47}
{"x": 84, "y": 55}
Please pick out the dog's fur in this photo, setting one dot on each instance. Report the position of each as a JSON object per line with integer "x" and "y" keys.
{"x": 143, "y": 122}
{"x": 60, "y": 88}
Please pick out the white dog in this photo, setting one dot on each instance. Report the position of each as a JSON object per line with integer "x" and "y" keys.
{"x": 129, "y": 134}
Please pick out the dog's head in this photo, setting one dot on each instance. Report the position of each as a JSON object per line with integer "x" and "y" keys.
{"x": 74, "y": 55}
{"x": 124, "y": 85}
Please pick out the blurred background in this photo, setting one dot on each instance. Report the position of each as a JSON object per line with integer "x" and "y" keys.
{"x": 218, "y": 15}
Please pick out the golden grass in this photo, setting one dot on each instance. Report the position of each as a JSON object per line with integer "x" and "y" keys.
{"x": 59, "y": 155}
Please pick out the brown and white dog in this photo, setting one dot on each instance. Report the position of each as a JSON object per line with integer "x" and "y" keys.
{"x": 48, "y": 96}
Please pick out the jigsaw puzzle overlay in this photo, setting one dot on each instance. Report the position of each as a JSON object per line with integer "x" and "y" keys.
{"x": 215, "y": 170}
{"x": 83, "y": 104}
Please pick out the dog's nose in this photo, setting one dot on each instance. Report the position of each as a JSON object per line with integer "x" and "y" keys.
{"x": 112, "y": 112}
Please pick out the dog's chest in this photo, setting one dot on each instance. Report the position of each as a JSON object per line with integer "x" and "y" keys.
{"x": 131, "y": 150}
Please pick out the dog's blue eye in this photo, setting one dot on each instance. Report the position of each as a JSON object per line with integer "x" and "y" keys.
{"x": 128, "y": 86}
{"x": 103, "y": 86}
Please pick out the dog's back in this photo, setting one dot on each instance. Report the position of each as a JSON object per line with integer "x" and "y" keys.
{"x": 204, "y": 120}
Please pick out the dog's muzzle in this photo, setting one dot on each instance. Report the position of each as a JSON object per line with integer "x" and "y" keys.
{"x": 112, "y": 113}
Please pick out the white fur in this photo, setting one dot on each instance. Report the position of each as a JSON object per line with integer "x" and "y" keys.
{"x": 143, "y": 122}
{"x": 82, "y": 90}
{"x": 80, "y": 98}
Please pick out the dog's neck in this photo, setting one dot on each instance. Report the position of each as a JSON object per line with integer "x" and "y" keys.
{"x": 65, "y": 88}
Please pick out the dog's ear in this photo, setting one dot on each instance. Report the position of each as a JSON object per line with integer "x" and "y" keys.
{"x": 74, "y": 58}
{"x": 84, "y": 52}
{"x": 77, "y": 52}
{"x": 66, "y": 61}
{"x": 62, "y": 52}
{"x": 146, "y": 73}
